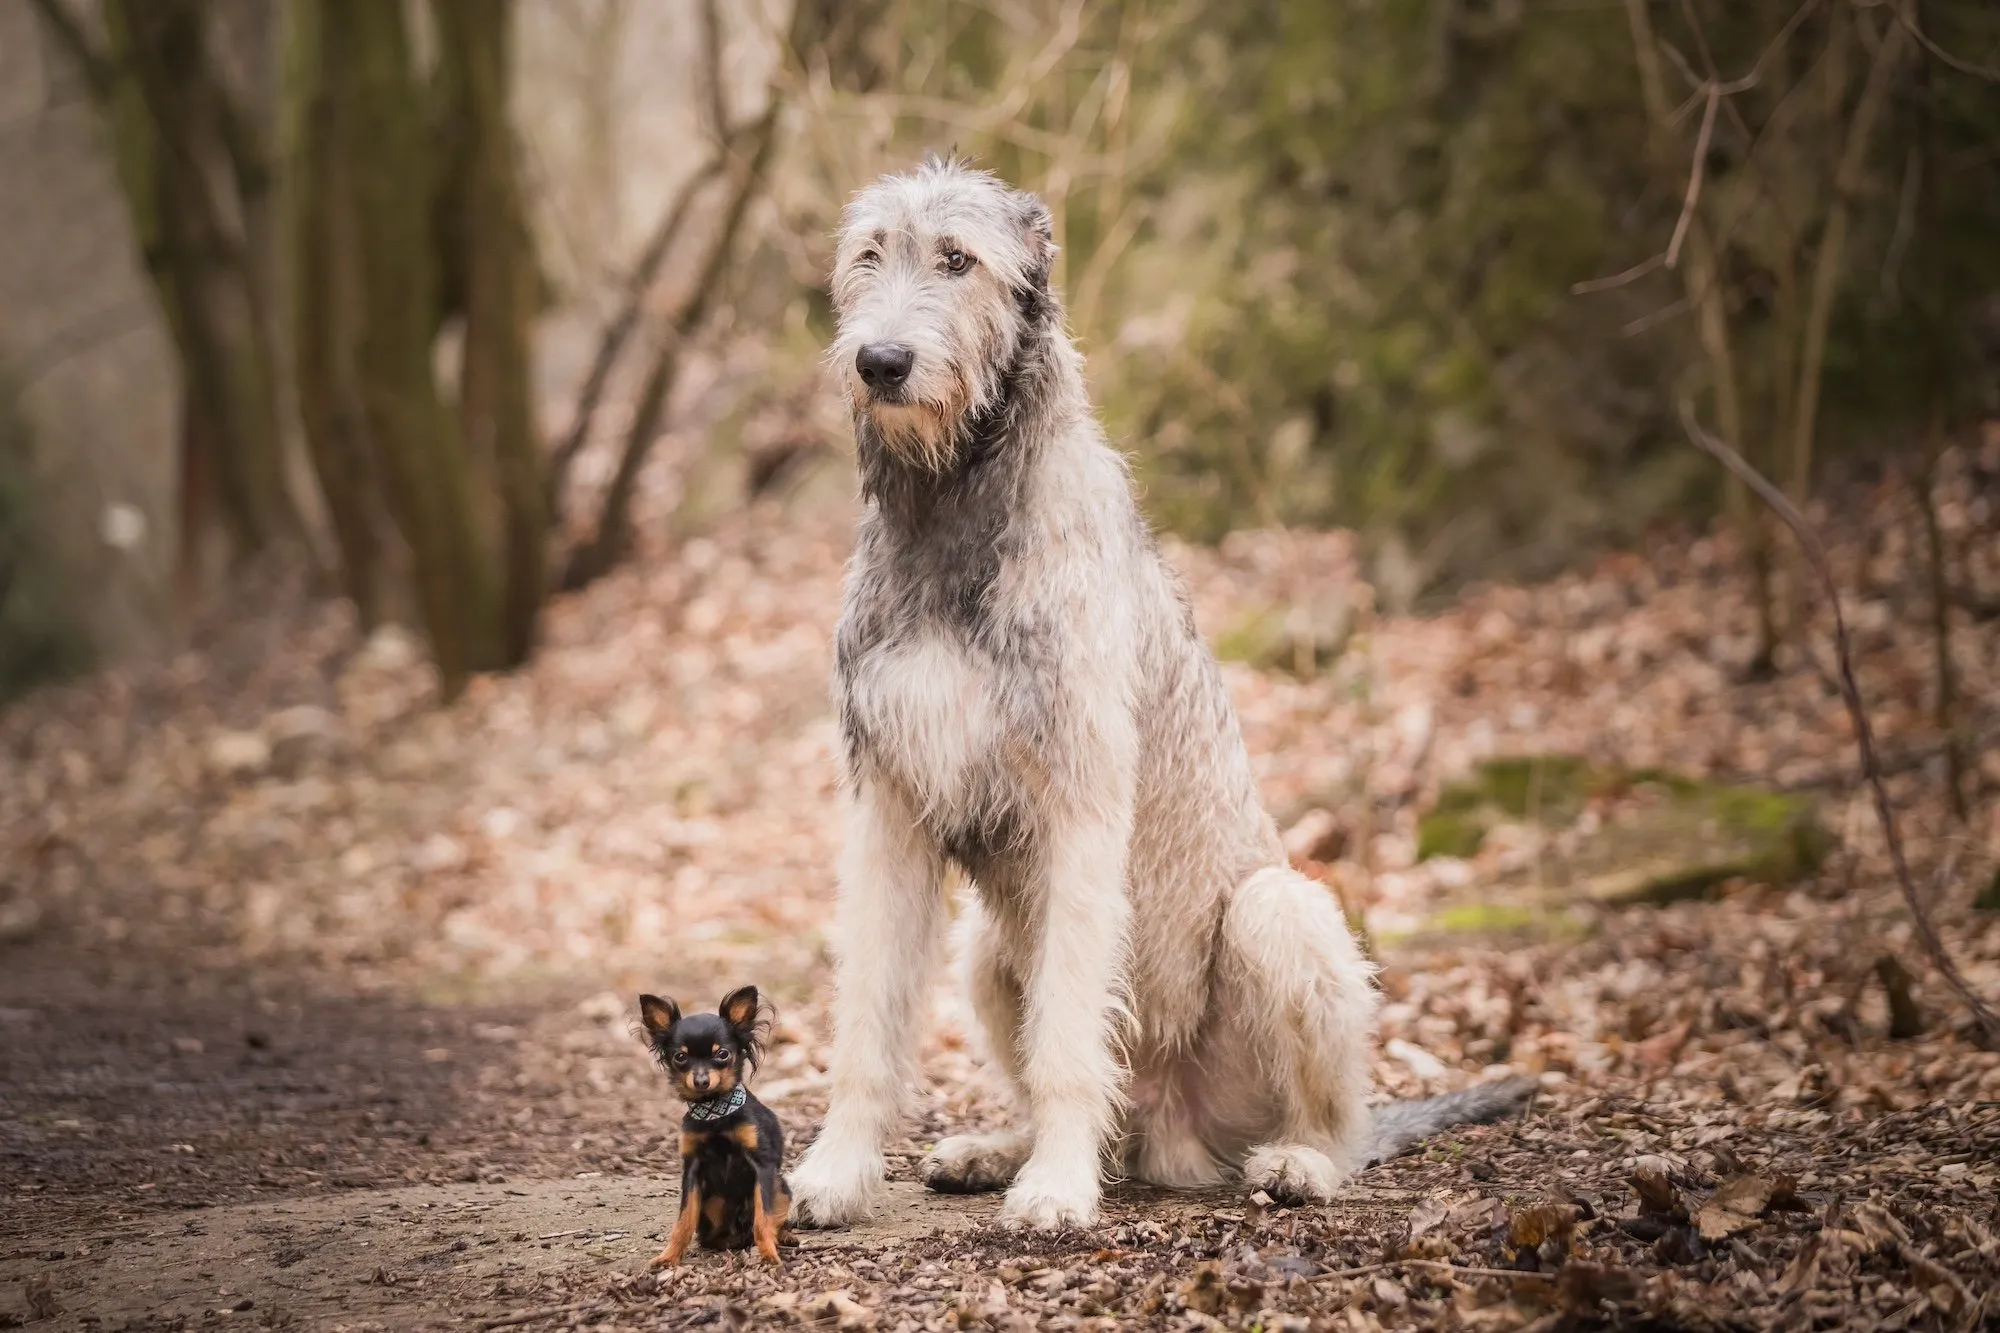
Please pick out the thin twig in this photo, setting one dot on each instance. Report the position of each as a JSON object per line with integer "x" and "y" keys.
{"x": 1657, "y": 317}
{"x": 1962, "y": 66}
{"x": 520, "y": 1317}
{"x": 1850, "y": 691}
{"x": 99, "y": 70}
{"x": 1695, "y": 175}
{"x": 1632, "y": 274}
{"x": 1435, "y": 1264}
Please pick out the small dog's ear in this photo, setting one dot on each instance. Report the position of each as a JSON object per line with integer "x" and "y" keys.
{"x": 739, "y": 1008}
{"x": 658, "y": 1014}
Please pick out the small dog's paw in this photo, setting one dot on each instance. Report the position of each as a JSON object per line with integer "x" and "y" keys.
{"x": 973, "y": 1163}
{"x": 1292, "y": 1173}
{"x": 664, "y": 1259}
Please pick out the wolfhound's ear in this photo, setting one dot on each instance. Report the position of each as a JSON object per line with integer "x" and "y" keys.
{"x": 1035, "y": 218}
{"x": 1040, "y": 227}
{"x": 657, "y": 1014}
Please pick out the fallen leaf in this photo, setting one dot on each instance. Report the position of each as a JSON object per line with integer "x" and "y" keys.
{"x": 1734, "y": 1208}
{"x": 1477, "y": 1215}
{"x": 1529, "y": 1227}
{"x": 1652, "y": 1180}
{"x": 1879, "y": 1231}
{"x": 1203, "y": 1293}
{"x": 843, "y": 1308}
{"x": 1428, "y": 1214}
{"x": 1389, "y": 1294}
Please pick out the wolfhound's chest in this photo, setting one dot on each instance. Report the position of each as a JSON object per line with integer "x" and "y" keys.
{"x": 925, "y": 712}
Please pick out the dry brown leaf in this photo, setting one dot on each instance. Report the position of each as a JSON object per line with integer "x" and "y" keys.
{"x": 1652, "y": 1180}
{"x": 1428, "y": 1214}
{"x": 1734, "y": 1208}
{"x": 1530, "y": 1227}
{"x": 1389, "y": 1293}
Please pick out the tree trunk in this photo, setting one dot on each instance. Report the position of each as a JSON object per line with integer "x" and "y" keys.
{"x": 326, "y": 328}
{"x": 496, "y": 408}
{"x": 219, "y": 324}
{"x": 432, "y": 489}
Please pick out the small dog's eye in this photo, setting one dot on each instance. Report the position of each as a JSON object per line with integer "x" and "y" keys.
{"x": 721, "y": 1056}
{"x": 956, "y": 261}
{"x": 680, "y": 1057}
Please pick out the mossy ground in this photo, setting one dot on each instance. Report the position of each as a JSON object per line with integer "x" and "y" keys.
{"x": 1664, "y": 836}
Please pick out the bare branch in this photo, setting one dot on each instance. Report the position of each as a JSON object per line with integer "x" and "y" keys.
{"x": 1658, "y": 317}
{"x": 1909, "y": 22}
{"x": 612, "y": 536}
{"x": 1632, "y": 274}
{"x": 713, "y": 87}
{"x": 1833, "y": 240}
{"x": 100, "y": 71}
{"x": 1850, "y": 692}
{"x": 619, "y": 331}
{"x": 1694, "y": 177}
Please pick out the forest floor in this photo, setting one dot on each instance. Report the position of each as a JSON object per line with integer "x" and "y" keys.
{"x": 315, "y": 998}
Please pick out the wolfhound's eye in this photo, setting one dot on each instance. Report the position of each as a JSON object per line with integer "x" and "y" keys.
{"x": 956, "y": 261}
{"x": 869, "y": 257}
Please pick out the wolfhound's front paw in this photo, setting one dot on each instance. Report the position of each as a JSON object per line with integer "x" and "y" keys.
{"x": 1041, "y": 1203}
{"x": 973, "y": 1163}
{"x": 1292, "y": 1173}
{"x": 831, "y": 1191}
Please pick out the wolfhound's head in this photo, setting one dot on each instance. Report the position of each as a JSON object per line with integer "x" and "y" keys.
{"x": 941, "y": 276}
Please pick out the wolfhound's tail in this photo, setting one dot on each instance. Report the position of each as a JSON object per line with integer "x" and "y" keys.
{"x": 1401, "y": 1125}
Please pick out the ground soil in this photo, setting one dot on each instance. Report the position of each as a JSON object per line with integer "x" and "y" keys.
{"x": 315, "y": 998}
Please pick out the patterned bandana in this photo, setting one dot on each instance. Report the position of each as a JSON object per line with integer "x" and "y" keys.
{"x": 715, "y": 1108}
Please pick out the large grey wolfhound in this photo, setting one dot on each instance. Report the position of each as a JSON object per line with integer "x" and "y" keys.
{"x": 1023, "y": 696}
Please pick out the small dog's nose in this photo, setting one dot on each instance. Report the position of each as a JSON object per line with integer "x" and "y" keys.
{"x": 884, "y": 365}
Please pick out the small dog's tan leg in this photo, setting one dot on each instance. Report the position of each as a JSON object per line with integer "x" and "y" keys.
{"x": 683, "y": 1233}
{"x": 767, "y": 1215}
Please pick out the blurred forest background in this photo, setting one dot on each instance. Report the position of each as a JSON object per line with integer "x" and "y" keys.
{"x": 354, "y": 353}
{"x": 407, "y": 294}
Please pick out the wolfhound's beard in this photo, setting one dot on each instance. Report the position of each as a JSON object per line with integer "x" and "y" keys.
{"x": 922, "y": 435}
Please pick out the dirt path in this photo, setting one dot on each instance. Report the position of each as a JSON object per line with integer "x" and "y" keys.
{"x": 419, "y": 1256}
{"x": 176, "y": 1149}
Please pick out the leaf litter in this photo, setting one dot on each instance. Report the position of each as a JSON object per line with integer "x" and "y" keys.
{"x": 1727, "y": 1135}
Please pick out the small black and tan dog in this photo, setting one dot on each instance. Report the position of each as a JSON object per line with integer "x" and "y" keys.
{"x": 732, "y": 1147}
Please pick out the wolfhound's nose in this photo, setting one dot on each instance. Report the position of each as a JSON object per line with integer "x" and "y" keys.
{"x": 884, "y": 365}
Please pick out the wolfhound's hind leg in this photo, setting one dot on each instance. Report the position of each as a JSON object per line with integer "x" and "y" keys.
{"x": 1303, "y": 992}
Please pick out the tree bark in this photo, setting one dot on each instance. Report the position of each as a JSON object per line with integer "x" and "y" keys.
{"x": 496, "y": 410}
{"x": 326, "y": 326}
{"x": 160, "y": 46}
{"x": 432, "y": 489}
